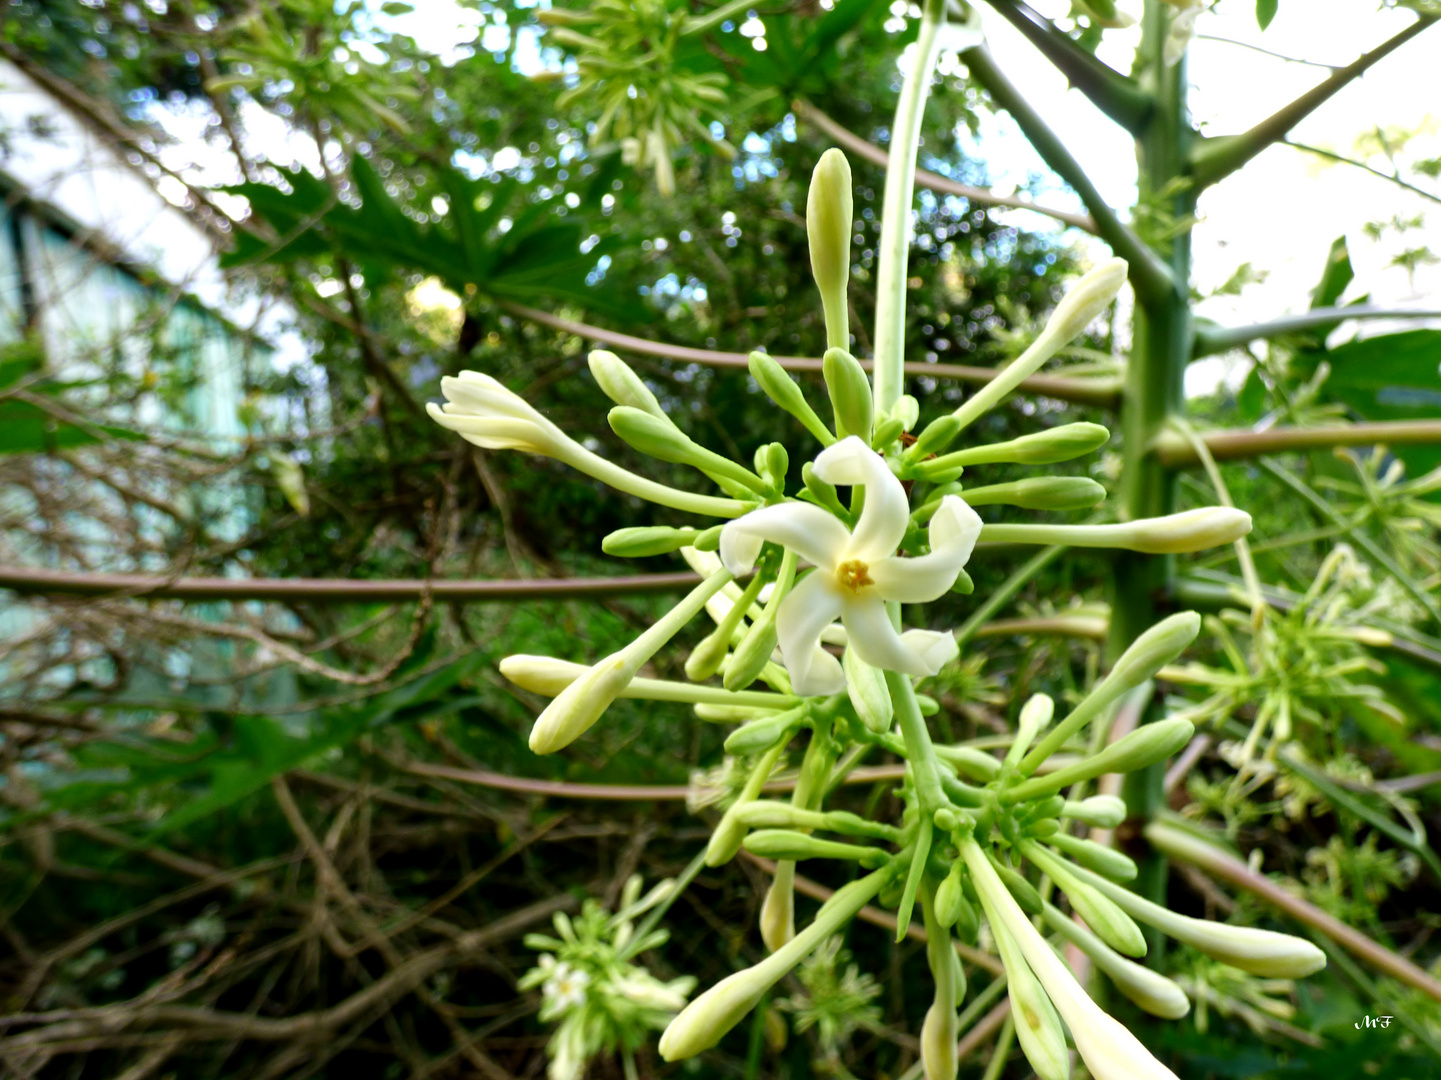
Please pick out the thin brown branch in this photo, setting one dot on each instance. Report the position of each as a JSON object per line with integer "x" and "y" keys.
{"x": 849, "y": 140}
{"x": 1176, "y": 452}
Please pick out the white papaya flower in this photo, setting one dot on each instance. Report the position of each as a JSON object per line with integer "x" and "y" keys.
{"x": 856, "y": 571}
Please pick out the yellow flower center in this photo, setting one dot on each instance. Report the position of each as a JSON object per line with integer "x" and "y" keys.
{"x": 854, "y": 575}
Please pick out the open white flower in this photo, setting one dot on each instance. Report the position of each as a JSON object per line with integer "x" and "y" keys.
{"x": 856, "y": 572}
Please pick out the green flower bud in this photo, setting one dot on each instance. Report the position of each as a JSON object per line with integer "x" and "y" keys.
{"x": 709, "y": 540}
{"x": 977, "y": 764}
{"x": 708, "y": 655}
{"x": 1035, "y": 715}
{"x": 640, "y": 541}
{"x": 1041, "y": 809}
{"x": 866, "y": 686}
{"x": 887, "y": 432}
{"x": 1093, "y": 856}
{"x": 622, "y": 385}
{"x": 703, "y": 1022}
{"x": 928, "y": 705}
{"x": 939, "y": 1039}
{"x": 850, "y": 390}
{"x": 772, "y": 462}
{"x": 1040, "y": 493}
{"x": 938, "y": 435}
{"x": 762, "y": 734}
{"x": 751, "y": 655}
{"x": 1145, "y": 746}
{"x": 1051, "y": 447}
{"x": 659, "y": 438}
{"x": 822, "y": 493}
{"x": 795, "y": 846}
{"x": 1099, "y": 811}
{"x": 1043, "y": 828}
{"x": 1110, "y": 923}
{"x": 1024, "y": 892}
{"x": 951, "y": 898}
{"x": 726, "y": 840}
{"x": 828, "y": 226}
{"x": 783, "y": 390}
{"x": 1150, "y": 990}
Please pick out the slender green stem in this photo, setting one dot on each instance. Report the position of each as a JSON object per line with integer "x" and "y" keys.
{"x": 895, "y": 245}
{"x": 1008, "y": 589}
{"x": 997, "y": 1064}
{"x": 699, "y": 24}
{"x": 1214, "y": 339}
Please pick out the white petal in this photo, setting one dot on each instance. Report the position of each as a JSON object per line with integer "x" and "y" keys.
{"x": 936, "y": 648}
{"x": 812, "y": 533}
{"x": 886, "y": 512}
{"x": 811, "y": 606}
{"x": 474, "y": 392}
{"x": 494, "y": 433}
{"x": 876, "y": 641}
{"x": 953, "y": 534}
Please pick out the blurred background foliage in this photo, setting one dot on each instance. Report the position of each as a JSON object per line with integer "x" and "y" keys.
{"x": 245, "y": 840}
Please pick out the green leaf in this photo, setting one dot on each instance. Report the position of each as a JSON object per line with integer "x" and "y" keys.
{"x": 1265, "y": 12}
{"x": 1335, "y": 277}
{"x": 1392, "y": 377}
{"x": 29, "y": 429}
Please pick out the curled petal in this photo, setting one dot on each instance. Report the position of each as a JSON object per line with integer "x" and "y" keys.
{"x": 495, "y": 432}
{"x": 809, "y": 531}
{"x": 954, "y": 530}
{"x": 811, "y": 606}
{"x": 936, "y": 648}
{"x": 886, "y": 512}
{"x": 878, "y": 643}
{"x": 474, "y": 392}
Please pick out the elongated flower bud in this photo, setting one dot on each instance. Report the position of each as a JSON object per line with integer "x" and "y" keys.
{"x": 1192, "y": 530}
{"x": 1024, "y": 892}
{"x": 1100, "y": 811}
{"x": 1093, "y": 856}
{"x": 1051, "y": 447}
{"x": 657, "y": 437}
{"x": 573, "y": 711}
{"x": 703, "y": 1022}
{"x": 783, "y": 390}
{"x": 541, "y": 674}
{"x": 762, "y": 734}
{"x": 622, "y": 385}
{"x": 850, "y": 390}
{"x": 1149, "y": 989}
{"x": 1086, "y": 300}
{"x": 798, "y": 846}
{"x": 1036, "y": 713}
{"x": 751, "y": 655}
{"x": 1111, "y": 924}
{"x": 1039, "y": 493}
{"x": 643, "y": 540}
{"x": 778, "y": 909}
{"x": 1038, "y": 1027}
{"x": 866, "y": 686}
{"x": 829, "y": 211}
{"x": 938, "y": 1043}
{"x": 1255, "y": 951}
{"x": 938, "y": 435}
{"x": 1145, "y": 746}
{"x": 1146, "y": 655}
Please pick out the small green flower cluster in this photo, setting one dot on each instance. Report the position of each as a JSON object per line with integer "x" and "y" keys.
{"x": 602, "y": 1000}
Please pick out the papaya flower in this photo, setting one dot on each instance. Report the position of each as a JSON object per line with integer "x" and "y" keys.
{"x": 857, "y": 572}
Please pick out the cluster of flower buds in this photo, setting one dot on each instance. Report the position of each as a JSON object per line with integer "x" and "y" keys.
{"x": 797, "y": 573}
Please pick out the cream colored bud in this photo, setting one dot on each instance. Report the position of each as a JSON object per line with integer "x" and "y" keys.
{"x": 866, "y": 686}
{"x": 1099, "y": 811}
{"x": 708, "y": 655}
{"x": 778, "y": 909}
{"x": 1149, "y": 989}
{"x": 1191, "y": 530}
{"x": 752, "y": 654}
{"x": 938, "y": 435}
{"x": 1111, "y": 924}
{"x": 1038, "y": 1027}
{"x": 541, "y": 674}
{"x": 622, "y": 385}
{"x": 1062, "y": 443}
{"x": 829, "y": 212}
{"x": 783, "y": 390}
{"x": 1145, "y": 746}
{"x": 1086, "y": 300}
{"x": 850, "y": 390}
{"x": 581, "y": 704}
{"x": 763, "y": 733}
{"x": 939, "y": 1037}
